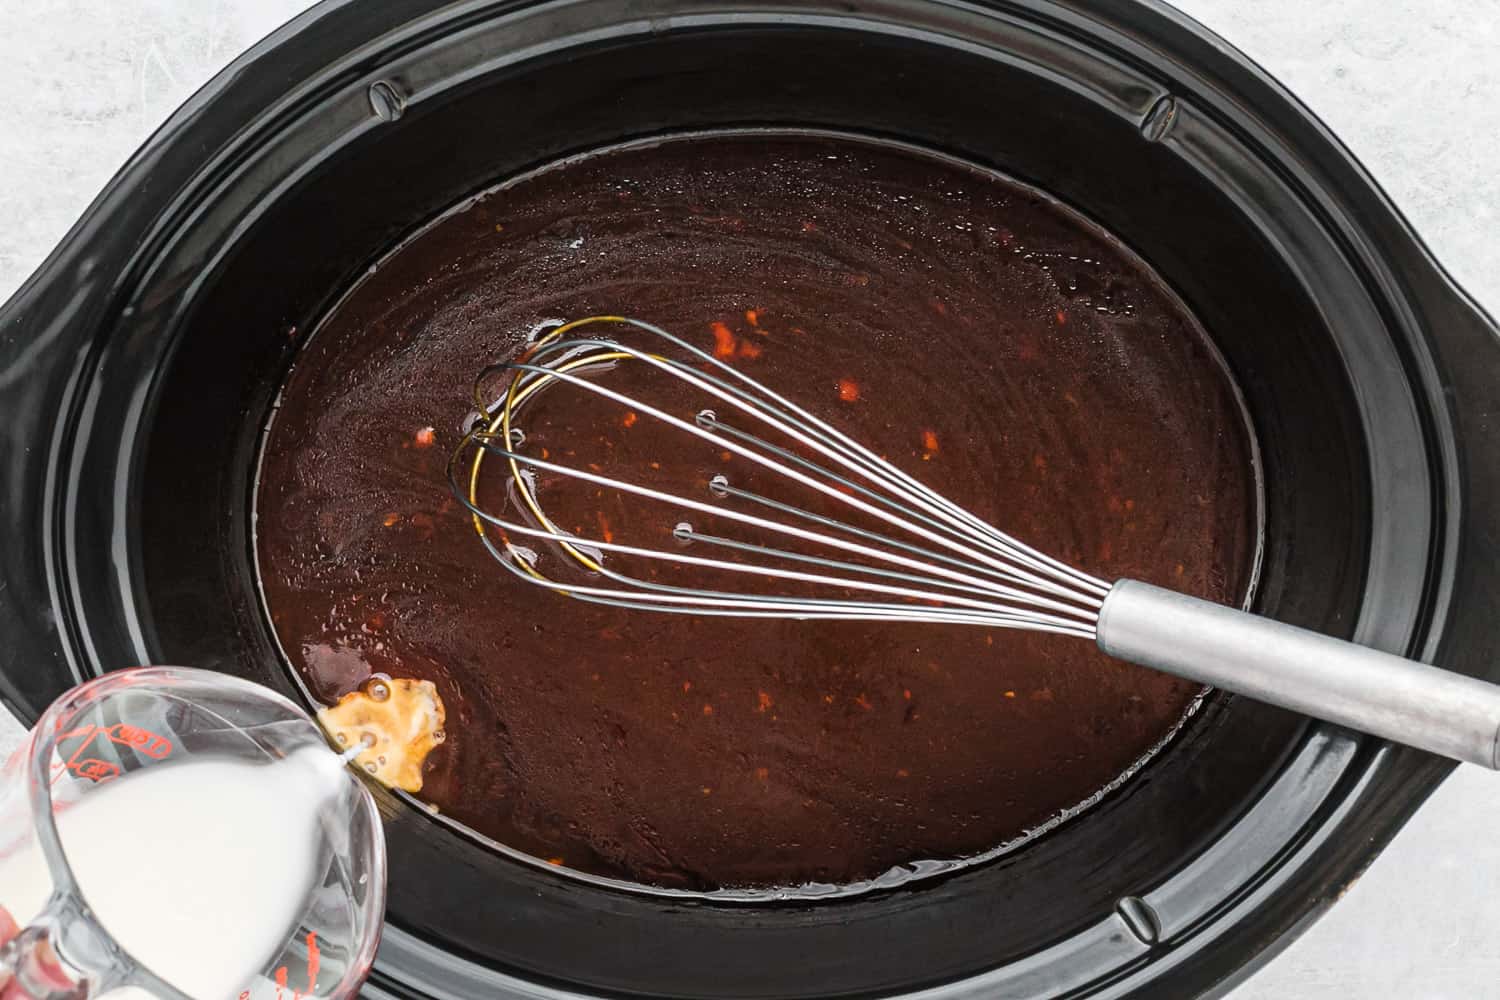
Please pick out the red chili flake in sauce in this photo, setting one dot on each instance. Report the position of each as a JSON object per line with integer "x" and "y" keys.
{"x": 629, "y": 419}
{"x": 902, "y": 772}
{"x": 724, "y": 342}
{"x": 848, "y": 390}
{"x": 391, "y": 520}
{"x": 930, "y": 441}
{"x": 764, "y": 701}
{"x": 1062, "y": 318}
{"x": 687, "y": 686}
{"x": 752, "y": 317}
{"x": 1010, "y": 694}
{"x": 604, "y": 528}
{"x": 863, "y": 702}
{"x": 426, "y": 437}
{"x": 762, "y": 773}
{"x": 939, "y": 307}
{"x": 708, "y": 710}
{"x": 749, "y": 350}
{"x": 906, "y": 693}
{"x": 554, "y": 861}
{"x": 808, "y": 226}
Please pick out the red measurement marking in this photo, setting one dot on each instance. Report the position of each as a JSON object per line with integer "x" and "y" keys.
{"x": 314, "y": 961}
{"x": 314, "y": 965}
{"x": 94, "y": 769}
{"x": 143, "y": 740}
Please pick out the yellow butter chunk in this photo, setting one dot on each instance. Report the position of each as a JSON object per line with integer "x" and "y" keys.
{"x": 398, "y": 721}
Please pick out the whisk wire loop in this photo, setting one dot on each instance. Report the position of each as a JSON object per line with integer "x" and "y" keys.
{"x": 949, "y": 566}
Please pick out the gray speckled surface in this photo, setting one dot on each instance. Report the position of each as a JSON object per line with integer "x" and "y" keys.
{"x": 1412, "y": 87}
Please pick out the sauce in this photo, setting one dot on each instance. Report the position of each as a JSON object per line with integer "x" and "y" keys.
{"x": 992, "y": 342}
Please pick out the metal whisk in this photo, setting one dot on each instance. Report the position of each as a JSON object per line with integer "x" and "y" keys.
{"x": 869, "y": 542}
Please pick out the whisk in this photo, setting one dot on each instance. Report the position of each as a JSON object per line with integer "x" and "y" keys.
{"x": 866, "y": 541}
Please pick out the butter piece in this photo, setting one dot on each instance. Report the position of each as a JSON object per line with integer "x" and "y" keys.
{"x": 399, "y": 721}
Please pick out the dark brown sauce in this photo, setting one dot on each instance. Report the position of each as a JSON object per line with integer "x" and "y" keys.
{"x": 1012, "y": 355}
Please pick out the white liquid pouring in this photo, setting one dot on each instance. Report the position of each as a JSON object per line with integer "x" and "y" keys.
{"x": 199, "y": 870}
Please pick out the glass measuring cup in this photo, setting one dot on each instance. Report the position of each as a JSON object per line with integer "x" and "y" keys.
{"x": 137, "y": 818}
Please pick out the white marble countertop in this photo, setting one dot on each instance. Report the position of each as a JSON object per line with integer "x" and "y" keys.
{"x": 1412, "y": 86}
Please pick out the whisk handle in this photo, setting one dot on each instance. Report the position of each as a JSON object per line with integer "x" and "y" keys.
{"x": 1398, "y": 699}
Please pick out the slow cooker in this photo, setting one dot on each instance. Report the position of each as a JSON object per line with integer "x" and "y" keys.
{"x": 139, "y": 364}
